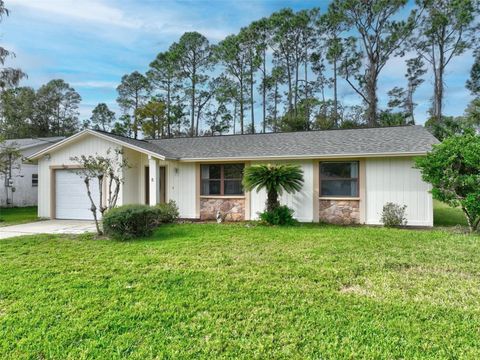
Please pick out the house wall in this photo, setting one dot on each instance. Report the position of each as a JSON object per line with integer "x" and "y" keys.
{"x": 25, "y": 194}
{"x": 381, "y": 180}
{"x": 181, "y": 185}
{"x": 87, "y": 145}
{"x": 301, "y": 202}
{"x": 131, "y": 188}
{"x": 395, "y": 180}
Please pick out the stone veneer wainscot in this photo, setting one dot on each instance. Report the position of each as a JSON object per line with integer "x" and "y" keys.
{"x": 339, "y": 211}
{"x": 234, "y": 208}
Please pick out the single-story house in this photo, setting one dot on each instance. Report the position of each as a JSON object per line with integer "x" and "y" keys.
{"x": 349, "y": 174}
{"x": 18, "y": 186}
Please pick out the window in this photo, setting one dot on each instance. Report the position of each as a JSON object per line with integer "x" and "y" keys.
{"x": 339, "y": 179}
{"x": 222, "y": 179}
{"x": 34, "y": 180}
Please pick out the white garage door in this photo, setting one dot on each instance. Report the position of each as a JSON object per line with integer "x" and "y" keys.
{"x": 72, "y": 201}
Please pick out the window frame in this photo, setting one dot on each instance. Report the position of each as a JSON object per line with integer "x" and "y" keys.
{"x": 221, "y": 179}
{"x": 339, "y": 178}
{"x": 36, "y": 180}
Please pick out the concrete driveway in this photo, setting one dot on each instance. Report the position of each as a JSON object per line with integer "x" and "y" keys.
{"x": 48, "y": 227}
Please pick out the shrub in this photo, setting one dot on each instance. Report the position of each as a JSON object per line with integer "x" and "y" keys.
{"x": 130, "y": 221}
{"x": 393, "y": 215}
{"x": 453, "y": 169}
{"x": 168, "y": 212}
{"x": 281, "y": 215}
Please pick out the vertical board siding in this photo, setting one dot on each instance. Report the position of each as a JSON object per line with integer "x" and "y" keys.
{"x": 88, "y": 145}
{"x": 181, "y": 187}
{"x": 25, "y": 194}
{"x": 301, "y": 202}
{"x": 130, "y": 187}
{"x": 395, "y": 180}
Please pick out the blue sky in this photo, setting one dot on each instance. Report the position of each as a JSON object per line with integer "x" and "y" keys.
{"x": 92, "y": 43}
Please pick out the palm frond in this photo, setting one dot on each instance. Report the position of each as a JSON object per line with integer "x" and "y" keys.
{"x": 278, "y": 177}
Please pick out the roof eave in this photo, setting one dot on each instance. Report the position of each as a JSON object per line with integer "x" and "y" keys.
{"x": 307, "y": 157}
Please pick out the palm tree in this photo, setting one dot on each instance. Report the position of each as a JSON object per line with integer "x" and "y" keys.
{"x": 274, "y": 178}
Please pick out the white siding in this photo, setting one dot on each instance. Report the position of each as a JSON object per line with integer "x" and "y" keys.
{"x": 88, "y": 145}
{"x": 181, "y": 180}
{"x": 137, "y": 175}
{"x": 301, "y": 201}
{"x": 395, "y": 180}
{"x": 132, "y": 188}
{"x": 25, "y": 194}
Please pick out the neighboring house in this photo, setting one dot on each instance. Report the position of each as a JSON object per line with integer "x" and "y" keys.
{"x": 19, "y": 186}
{"x": 349, "y": 174}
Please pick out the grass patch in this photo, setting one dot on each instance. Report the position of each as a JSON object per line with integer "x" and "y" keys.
{"x": 18, "y": 215}
{"x": 444, "y": 215}
{"x": 231, "y": 291}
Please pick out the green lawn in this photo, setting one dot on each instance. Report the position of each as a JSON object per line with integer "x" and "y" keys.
{"x": 231, "y": 291}
{"x": 444, "y": 215}
{"x": 17, "y": 215}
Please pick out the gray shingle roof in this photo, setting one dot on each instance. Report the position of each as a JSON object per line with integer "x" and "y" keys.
{"x": 28, "y": 146}
{"x": 144, "y": 144}
{"x": 30, "y": 142}
{"x": 387, "y": 140}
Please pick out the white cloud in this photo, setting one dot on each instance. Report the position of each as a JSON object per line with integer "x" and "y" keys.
{"x": 172, "y": 21}
{"x": 95, "y": 84}
{"x": 85, "y": 10}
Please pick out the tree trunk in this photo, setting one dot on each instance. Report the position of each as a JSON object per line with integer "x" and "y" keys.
{"x": 199, "y": 112}
{"x": 58, "y": 121}
{"x": 476, "y": 224}
{"x": 410, "y": 104}
{"x": 439, "y": 86}
{"x": 192, "y": 116}
{"x": 241, "y": 106}
{"x": 275, "y": 104}
{"x": 93, "y": 208}
{"x": 135, "y": 118}
{"x": 234, "y": 115}
{"x": 161, "y": 128}
{"x": 289, "y": 76}
{"x": 272, "y": 200}
{"x": 113, "y": 196}
{"x": 295, "y": 98}
{"x": 371, "y": 92}
{"x": 335, "y": 94}
{"x": 264, "y": 93}
{"x": 252, "y": 111}
{"x": 168, "y": 110}
{"x": 469, "y": 220}
{"x": 306, "y": 90}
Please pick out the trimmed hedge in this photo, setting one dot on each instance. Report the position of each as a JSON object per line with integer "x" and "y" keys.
{"x": 133, "y": 221}
{"x": 130, "y": 221}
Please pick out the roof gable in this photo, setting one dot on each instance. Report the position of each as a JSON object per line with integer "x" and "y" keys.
{"x": 138, "y": 145}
